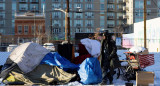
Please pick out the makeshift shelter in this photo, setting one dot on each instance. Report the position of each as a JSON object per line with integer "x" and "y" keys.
{"x": 28, "y": 55}
{"x": 30, "y": 63}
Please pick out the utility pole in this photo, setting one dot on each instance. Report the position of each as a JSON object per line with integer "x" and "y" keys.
{"x": 67, "y": 23}
{"x": 145, "y": 24}
{"x": 51, "y": 25}
{"x": 34, "y": 24}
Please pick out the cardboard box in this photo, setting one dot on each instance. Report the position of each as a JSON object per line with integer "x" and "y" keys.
{"x": 144, "y": 78}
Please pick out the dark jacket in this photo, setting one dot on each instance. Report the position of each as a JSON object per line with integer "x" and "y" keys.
{"x": 110, "y": 55}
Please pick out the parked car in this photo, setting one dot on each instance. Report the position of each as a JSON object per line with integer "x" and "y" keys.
{"x": 11, "y": 47}
{"x": 49, "y": 46}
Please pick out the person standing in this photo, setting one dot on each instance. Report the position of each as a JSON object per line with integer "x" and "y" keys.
{"x": 109, "y": 59}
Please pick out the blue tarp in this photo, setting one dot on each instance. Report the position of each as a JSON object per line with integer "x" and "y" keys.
{"x": 89, "y": 71}
{"x": 55, "y": 59}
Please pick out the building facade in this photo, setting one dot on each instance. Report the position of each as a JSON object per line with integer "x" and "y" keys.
{"x": 24, "y": 6}
{"x": 113, "y": 15}
{"x": 6, "y": 17}
{"x": 135, "y": 13}
{"x": 30, "y": 27}
{"x": 103, "y": 14}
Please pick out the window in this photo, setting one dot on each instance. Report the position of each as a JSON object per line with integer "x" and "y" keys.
{"x": 78, "y": 23}
{"x": 102, "y": 7}
{"x": 139, "y": 13}
{"x": 2, "y": 6}
{"x": 148, "y": 12}
{"x": 111, "y": 15}
{"x": 78, "y": 6}
{"x": 110, "y": 6}
{"x": 139, "y": 4}
{"x": 89, "y": 30}
{"x": 56, "y": 14}
{"x": 2, "y": 15}
{"x": 23, "y": 7}
{"x": 89, "y": 15}
{"x": 119, "y": 7}
{"x": 101, "y": 1}
{"x": 119, "y": 15}
{"x": 33, "y": 29}
{"x": 34, "y": 7}
{"x": 56, "y": 30}
{"x": 78, "y": 15}
{"x": 89, "y": 23}
{"x": 2, "y": 23}
{"x": 78, "y": 30}
{"x": 2, "y": 31}
{"x": 149, "y": 2}
{"x": 19, "y": 29}
{"x": 56, "y": 6}
{"x": 89, "y": 6}
{"x": 25, "y": 29}
{"x": 158, "y": 3}
{"x": 111, "y": 23}
{"x": 102, "y": 21}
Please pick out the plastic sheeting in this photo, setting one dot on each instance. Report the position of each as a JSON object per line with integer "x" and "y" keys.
{"x": 57, "y": 60}
{"x": 90, "y": 71}
{"x": 28, "y": 56}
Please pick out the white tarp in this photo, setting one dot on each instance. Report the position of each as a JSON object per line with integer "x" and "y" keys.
{"x": 137, "y": 49}
{"x": 28, "y": 56}
{"x": 93, "y": 46}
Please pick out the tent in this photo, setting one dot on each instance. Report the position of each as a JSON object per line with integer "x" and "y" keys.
{"x": 28, "y": 56}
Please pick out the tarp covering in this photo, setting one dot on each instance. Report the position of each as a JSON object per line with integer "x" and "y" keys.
{"x": 90, "y": 71}
{"x": 28, "y": 56}
{"x": 31, "y": 56}
{"x": 92, "y": 46}
{"x": 57, "y": 60}
{"x": 43, "y": 74}
{"x": 137, "y": 49}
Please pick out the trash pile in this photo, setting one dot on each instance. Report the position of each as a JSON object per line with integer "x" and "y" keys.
{"x": 32, "y": 64}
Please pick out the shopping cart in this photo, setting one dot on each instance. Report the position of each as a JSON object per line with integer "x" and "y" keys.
{"x": 135, "y": 62}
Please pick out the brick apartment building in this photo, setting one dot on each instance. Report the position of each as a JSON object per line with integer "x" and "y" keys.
{"x": 30, "y": 27}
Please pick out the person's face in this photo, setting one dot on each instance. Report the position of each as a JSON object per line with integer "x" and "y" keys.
{"x": 104, "y": 37}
